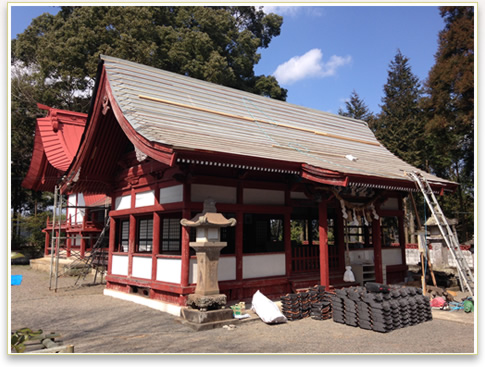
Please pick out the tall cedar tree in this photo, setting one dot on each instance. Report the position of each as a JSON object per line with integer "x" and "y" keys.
{"x": 56, "y": 57}
{"x": 450, "y": 108}
{"x": 400, "y": 125}
{"x": 356, "y": 109}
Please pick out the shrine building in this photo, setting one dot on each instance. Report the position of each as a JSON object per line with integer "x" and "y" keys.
{"x": 310, "y": 191}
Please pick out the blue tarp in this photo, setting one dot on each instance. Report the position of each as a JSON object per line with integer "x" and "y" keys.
{"x": 16, "y": 279}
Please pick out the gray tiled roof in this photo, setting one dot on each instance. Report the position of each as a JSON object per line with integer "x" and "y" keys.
{"x": 187, "y": 113}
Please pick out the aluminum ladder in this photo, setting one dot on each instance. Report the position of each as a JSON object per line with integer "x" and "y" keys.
{"x": 465, "y": 274}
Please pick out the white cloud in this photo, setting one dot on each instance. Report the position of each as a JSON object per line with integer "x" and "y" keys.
{"x": 282, "y": 10}
{"x": 295, "y": 10}
{"x": 309, "y": 65}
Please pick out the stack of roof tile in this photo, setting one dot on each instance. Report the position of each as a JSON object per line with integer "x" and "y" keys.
{"x": 305, "y": 302}
{"x": 291, "y": 306}
{"x": 314, "y": 302}
{"x": 322, "y": 306}
{"x": 381, "y": 310}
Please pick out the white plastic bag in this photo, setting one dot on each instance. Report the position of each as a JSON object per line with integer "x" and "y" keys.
{"x": 349, "y": 275}
{"x": 266, "y": 309}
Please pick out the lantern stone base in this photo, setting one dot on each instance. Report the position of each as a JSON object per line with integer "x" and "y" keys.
{"x": 206, "y": 320}
{"x": 206, "y": 302}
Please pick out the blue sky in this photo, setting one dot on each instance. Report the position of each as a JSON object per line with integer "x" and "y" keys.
{"x": 325, "y": 52}
{"x": 349, "y": 47}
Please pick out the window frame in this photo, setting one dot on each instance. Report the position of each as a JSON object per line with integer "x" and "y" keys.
{"x": 253, "y": 233}
{"x": 147, "y": 235}
{"x": 166, "y": 249}
{"x": 119, "y": 239}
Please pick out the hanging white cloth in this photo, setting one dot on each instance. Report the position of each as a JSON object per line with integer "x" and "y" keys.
{"x": 349, "y": 275}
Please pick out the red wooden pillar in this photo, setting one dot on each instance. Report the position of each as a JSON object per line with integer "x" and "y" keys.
{"x": 185, "y": 255}
{"x": 185, "y": 245}
{"x": 239, "y": 241}
{"x": 83, "y": 244}
{"x": 47, "y": 243}
{"x": 112, "y": 242}
{"x": 376, "y": 241}
{"x": 323, "y": 243}
{"x": 287, "y": 242}
{"x": 239, "y": 245}
{"x": 68, "y": 245}
{"x": 155, "y": 243}
{"x": 131, "y": 243}
{"x": 402, "y": 239}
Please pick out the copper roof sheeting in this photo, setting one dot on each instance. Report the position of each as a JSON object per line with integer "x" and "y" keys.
{"x": 189, "y": 114}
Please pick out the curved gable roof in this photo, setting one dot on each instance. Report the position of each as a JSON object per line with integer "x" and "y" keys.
{"x": 186, "y": 114}
{"x": 57, "y": 138}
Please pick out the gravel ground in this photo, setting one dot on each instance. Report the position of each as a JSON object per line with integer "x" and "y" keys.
{"x": 95, "y": 323}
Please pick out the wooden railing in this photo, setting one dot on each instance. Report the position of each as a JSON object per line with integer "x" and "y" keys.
{"x": 305, "y": 258}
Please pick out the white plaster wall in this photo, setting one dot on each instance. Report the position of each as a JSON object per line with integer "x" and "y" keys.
{"x": 261, "y": 196}
{"x": 256, "y": 266}
{"x": 71, "y": 211}
{"x": 391, "y": 256}
{"x": 226, "y": 269}
{"x": 172, "y": 194}
{"x": 80, "y": 211}
{"x": 221, "y": 194}
{"x": 145, "y": 198}
{"x": 119, "y": 265}
{"x": 361, "y": 256}
{"x": 123, "y": 202}
{"x": 142, "y": 267}
{"x": 169, "y": 270}
{"x": 75, "y": 212}
{"x": 76, "y": 240}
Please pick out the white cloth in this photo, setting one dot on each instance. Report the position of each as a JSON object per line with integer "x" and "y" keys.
{"x": 267, "y": 309}
{"x": 349, "y": 275}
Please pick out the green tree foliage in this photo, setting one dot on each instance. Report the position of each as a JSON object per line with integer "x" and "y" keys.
{"x": 400, "y": 125}
{"x": 54, "y": 61}
{"x": 217, "y": 44}
{"x": 450, "y": 109}
{"x": 23, "y": 114}
{"x": 356, "y": 108}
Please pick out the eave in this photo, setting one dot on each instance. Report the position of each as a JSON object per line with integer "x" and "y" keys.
{"x": 57, "y": 137}
{"x": 106, "y": 134}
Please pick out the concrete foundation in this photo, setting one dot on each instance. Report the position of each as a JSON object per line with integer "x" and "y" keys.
{"x": 200, "y": 320}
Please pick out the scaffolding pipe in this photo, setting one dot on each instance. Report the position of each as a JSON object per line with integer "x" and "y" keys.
{"x": 53, "y": 236}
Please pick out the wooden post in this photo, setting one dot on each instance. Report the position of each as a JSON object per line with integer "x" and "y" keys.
{"x": 155, "y": 243}
{"x": 323, "y": 243}
{"x": 185, "y": 253}
{"x": 239, "y": 245}
{"x": 112, "y": 242}
{"x": 131, "y": 243}
{"x": 47, "y": 242}
{"x": 287, "y": 242}
{"x": 68, "y": 245}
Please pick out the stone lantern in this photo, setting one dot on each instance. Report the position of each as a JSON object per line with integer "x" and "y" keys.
{"x": 207, "y": 300}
